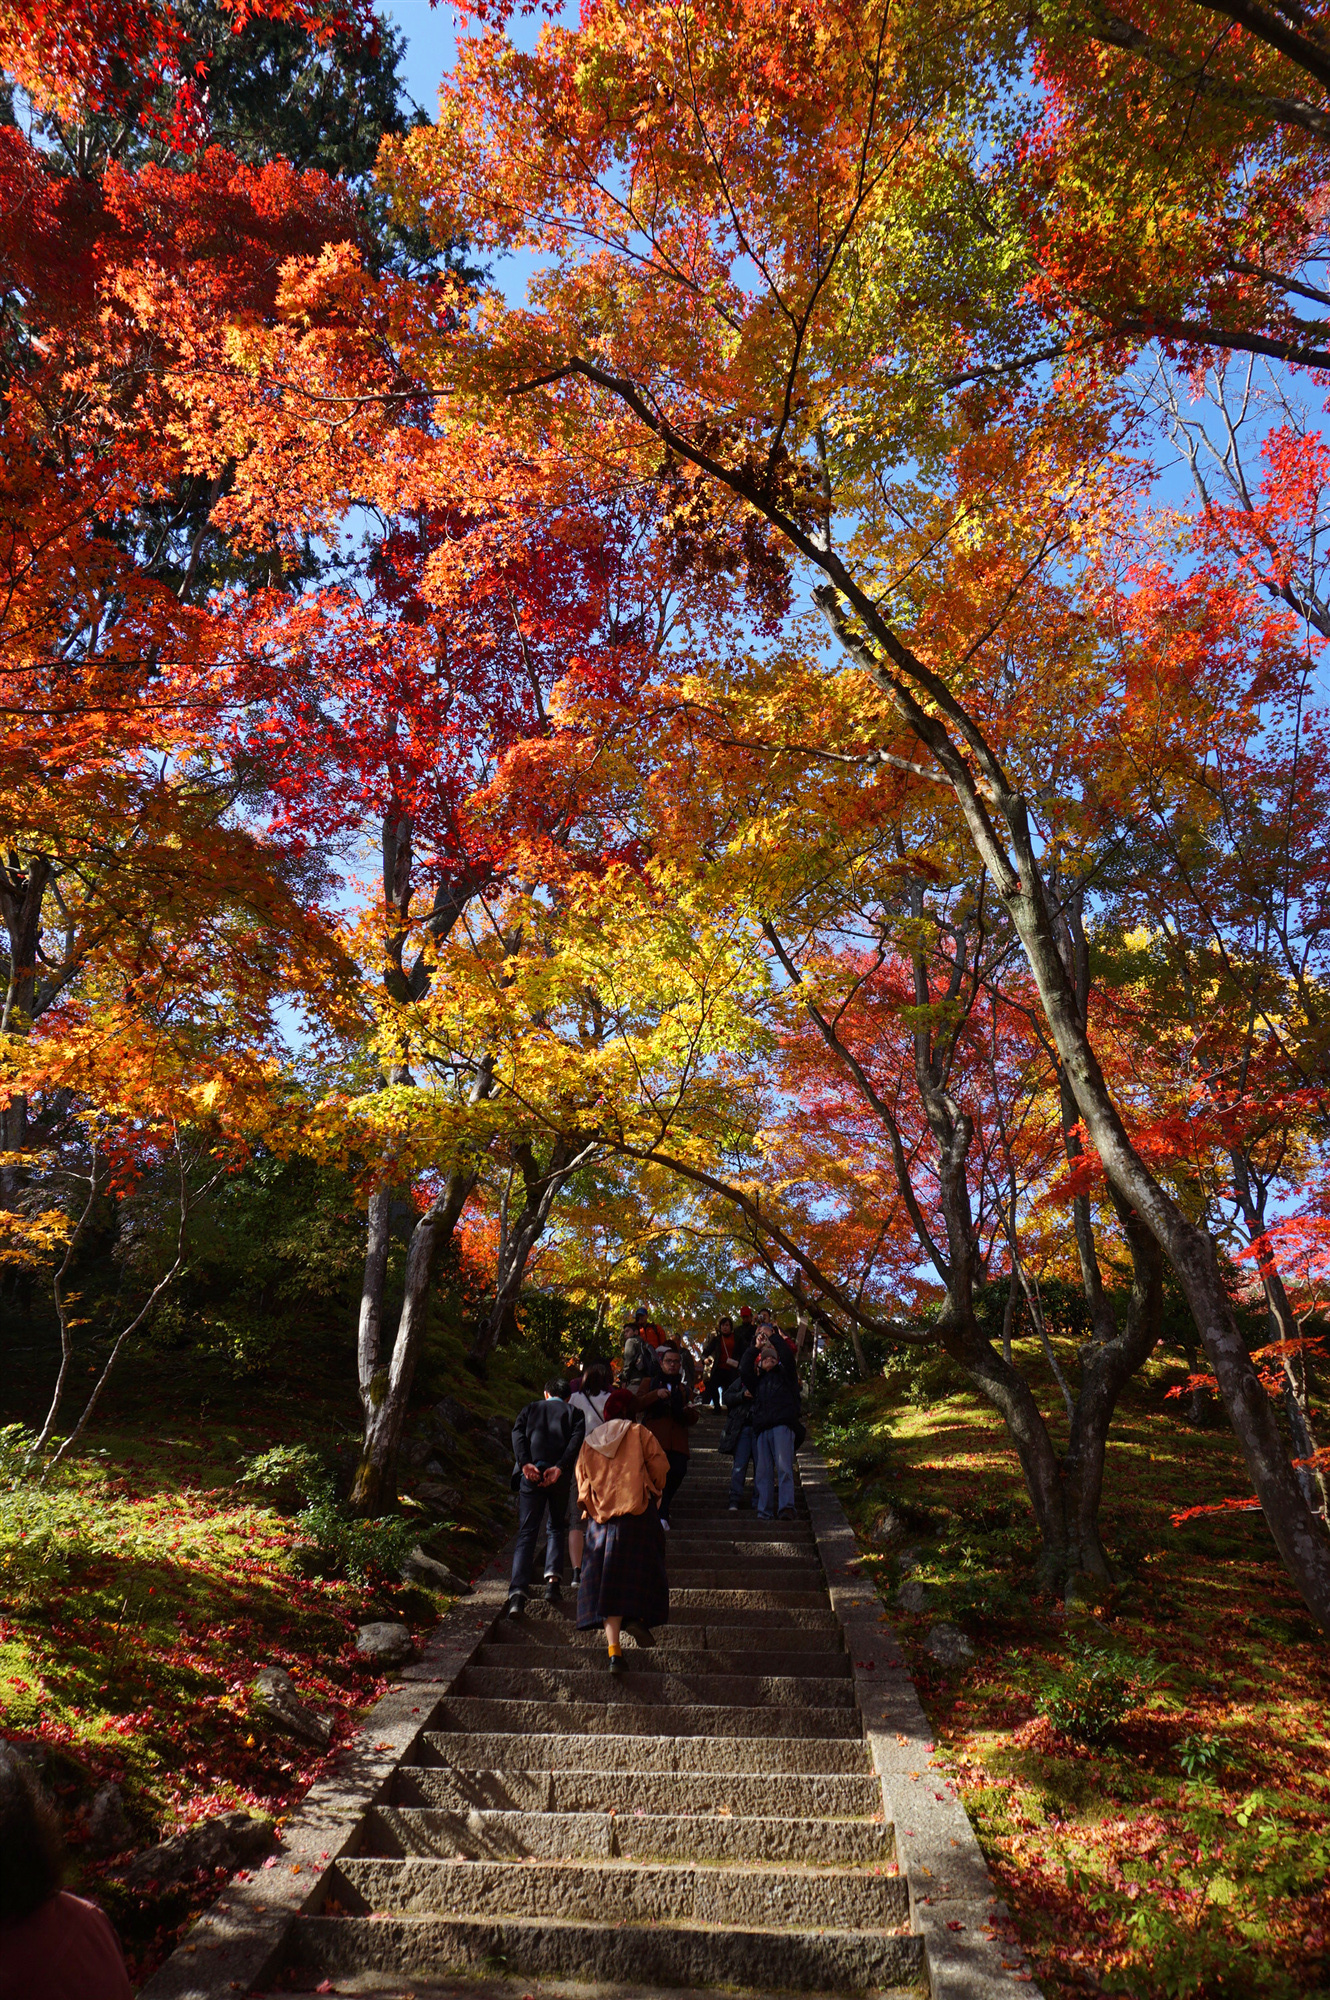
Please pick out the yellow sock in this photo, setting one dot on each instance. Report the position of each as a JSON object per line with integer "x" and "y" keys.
{"x": 614, "y": 1649}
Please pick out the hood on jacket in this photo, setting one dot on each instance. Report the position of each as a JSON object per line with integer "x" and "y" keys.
{"x": 606, "y": 1438}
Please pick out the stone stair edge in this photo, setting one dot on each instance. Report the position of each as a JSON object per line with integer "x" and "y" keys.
{"x": 238, "y": 1942}
{"x": 938, "y": 1854}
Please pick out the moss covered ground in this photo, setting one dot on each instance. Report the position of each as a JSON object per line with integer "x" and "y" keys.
{"x": 144, "y": 1587}
{"x": 1187, "y": 1852}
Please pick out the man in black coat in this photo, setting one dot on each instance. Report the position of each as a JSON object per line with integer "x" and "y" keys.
{"x": 768, "y": 1370}
{"x": 547, "y": 1437}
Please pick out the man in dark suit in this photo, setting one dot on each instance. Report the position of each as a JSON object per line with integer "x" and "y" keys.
{"x": 547, "y": 1437}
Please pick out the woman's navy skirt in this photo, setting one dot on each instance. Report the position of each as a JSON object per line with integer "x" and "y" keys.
{"x": 623, "y": 1571}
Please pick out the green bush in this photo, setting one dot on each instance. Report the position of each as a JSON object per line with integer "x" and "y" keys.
{"x": 1091, "y": 1696}
{"x": 1205, "y": 1756}
{"x": 363, "y": 1550}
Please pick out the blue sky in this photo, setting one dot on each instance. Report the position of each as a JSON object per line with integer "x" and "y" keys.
{"x": 431, "y": 46}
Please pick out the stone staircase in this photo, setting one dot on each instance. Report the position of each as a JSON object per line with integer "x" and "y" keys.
{"x": 712, "y": 1818}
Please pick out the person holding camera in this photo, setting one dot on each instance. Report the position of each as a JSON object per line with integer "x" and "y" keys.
{"x": 665, "y": 1405}
{"x": 769, "y": 1373}
{"x": 547, "y": 1437}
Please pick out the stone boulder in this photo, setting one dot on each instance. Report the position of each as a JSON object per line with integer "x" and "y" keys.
{"x": 421, "y": 1568}
{"x": 230, "y": 1841}
{"x": 914, "y": 1597}
{"x": 385, "y": 1642}
{"x": 276, "y": 1699}
{"x": 109, "y": 1830}
{"x": 888, "y": 1527}
{"x": 949, "y": 1645}
{"x": 436, "y": 1494}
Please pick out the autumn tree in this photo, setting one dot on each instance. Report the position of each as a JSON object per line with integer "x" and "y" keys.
{"x": 742, "y": 210}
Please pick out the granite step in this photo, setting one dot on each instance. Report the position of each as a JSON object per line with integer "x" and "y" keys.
{"x": 640, "y": 1957}
{"x": 670, "y": 1655}
{"x": 556, "y": 1634}
{"x": 722, "y": 1756}
{"x": 644, "y": 1682}
{"x": 821, "y": 1794}
{"x": 480, "y": 1713}
{"x": 625, "y": 1892}
{"x": 547, "y": 1834}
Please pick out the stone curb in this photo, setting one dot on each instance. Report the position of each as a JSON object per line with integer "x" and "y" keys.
{"x": 238, "y": 1943}
{"x": 951, "y": 1892}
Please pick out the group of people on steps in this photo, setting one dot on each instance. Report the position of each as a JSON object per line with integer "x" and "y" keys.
{"x": 597, "y": 1463}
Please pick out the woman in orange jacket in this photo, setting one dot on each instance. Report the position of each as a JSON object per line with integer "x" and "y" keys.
{"x": 621, "y": 1474}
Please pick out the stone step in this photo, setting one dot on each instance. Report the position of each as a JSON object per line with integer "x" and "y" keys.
{"x": 489, "y": 1986}
{"x": 686, "y": 1594}
{"x": 798, "y": 1580}
{"x": 559, "y": 1750}
{"x": 671, "y": 1655}
{"x": 639, "y": 1957}
{"x": 557, "y": 1634}
{"x": 644, "y": 1683}
{"x": 817, "y": 1617}
{"x": 629, "y": 1834}
{"x": 743, "y": 1793}
{"x": 476, "y": 1712}
{"x": 625, "y": 1892}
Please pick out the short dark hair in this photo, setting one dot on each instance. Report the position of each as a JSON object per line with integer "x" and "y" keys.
{"x": 560, "y": 1386}
{"x": 32, "y": 1854}
{"x": 597, "y": 1379}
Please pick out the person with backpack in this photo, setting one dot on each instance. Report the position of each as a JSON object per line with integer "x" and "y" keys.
{"x": 547, "y": 1437}
{"x": 590, "y": 1399}
{"x": 621, "y": 1474}
{"x": 769, "y": 1372}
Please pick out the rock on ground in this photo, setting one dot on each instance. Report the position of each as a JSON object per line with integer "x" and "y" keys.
{"x": 230, "y": 1841}
{"x": 109, "y": 1830}
{"x": 276, "y": 1697}
{"x": 387, "y": 1642}
{"x": 914, "y": 1596}
{"x": 949, "y": 1645}
{"x": 421, "y": 1568}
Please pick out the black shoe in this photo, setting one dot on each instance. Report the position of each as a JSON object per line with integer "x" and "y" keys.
{"x": 553, "y": 1590}
{"x": 637, "y": 1630}
{"x": 516, "y": 1605}
{"x": 618, "y": 1664}
{"x": 787, "y": 1514}
{"x": 577, "y": 1576}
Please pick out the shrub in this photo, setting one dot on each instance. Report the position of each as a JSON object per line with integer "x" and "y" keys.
{"x": 363, "y": 1550}
{"x": 1205, "y": 1756}
{"x": 1091, "y": 1696}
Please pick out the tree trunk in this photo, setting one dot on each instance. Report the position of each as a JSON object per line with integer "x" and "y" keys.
{"x": 1283, "y": 1328}
{"x": 386, "y": 1391}
{"x": 542, "y": 1187}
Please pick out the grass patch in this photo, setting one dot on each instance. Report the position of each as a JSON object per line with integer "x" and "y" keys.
{"x": 1184, "y": 1849}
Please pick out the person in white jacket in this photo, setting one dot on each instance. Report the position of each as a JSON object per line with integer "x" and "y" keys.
{"x": 590, "y": 1399}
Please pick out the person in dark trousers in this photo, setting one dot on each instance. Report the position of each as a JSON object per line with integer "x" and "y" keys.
{"x": 547, "y": 1437}
{"x": 53, "y": 1946}
{"x": 720, "y": 1361}
{"x": 665, "y": 1405}
{"x": 737, "y": 1437}
{"x": 768, "y": 1370}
